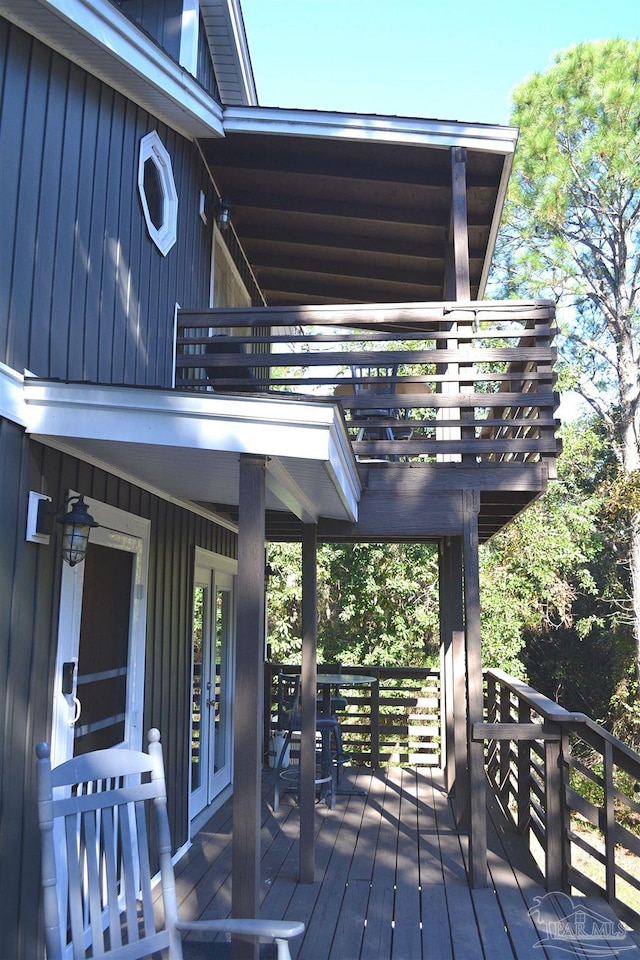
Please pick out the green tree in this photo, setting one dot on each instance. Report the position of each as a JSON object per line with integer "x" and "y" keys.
{"x": 377, "y": 603}
{"x": 573, "y": 232}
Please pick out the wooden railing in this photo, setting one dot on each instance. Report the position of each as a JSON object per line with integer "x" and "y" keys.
{"x": 570, "y": 787}
{"x": 395, "y": 720}
{"x": 420, "y": 382}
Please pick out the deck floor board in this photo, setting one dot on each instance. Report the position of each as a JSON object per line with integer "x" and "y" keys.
{"x": 390, "y": 880}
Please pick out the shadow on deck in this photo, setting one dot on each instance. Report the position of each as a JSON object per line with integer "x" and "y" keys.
{"x": 391, "y": 882}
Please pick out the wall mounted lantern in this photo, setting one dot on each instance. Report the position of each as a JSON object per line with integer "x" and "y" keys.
{"x": 223, "y": 214}
{"x": 76, "y": 526}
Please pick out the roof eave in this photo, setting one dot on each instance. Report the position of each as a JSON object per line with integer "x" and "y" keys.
{"x": 354, "y": 126}
{"x": 98, "y": 37}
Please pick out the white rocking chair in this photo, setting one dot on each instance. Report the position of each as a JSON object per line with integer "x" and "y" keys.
{"x": 97, "y": 883}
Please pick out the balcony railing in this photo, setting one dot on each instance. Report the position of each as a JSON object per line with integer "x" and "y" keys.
{"x": 395, "y": 720}
{"x": 468, "y": 382}
{"x": 571, "y": 788}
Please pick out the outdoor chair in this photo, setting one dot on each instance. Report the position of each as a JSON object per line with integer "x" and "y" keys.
{"x": 97, "y": 813}
{"x": 381, "y": 422}
{"x": 330, "y": 755}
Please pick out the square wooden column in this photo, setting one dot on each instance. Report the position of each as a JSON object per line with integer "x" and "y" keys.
{"x": 455, "y": 673}
{"x": 249, "y": 696}
{"x": 308, "y": 686}
{"x": 475, "y": 699}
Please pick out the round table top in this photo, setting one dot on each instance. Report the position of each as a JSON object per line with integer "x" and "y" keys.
{"x": 344, "y": 679}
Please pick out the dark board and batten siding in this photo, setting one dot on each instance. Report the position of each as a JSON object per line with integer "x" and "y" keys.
{"x": 86, "y": 295}
{"x": 29, "y": 604}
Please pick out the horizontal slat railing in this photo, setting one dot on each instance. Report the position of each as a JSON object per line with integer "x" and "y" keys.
{"x": 395, "y": 720}
{"x": 570, "y": 786}
{"x": 470, "y": 382}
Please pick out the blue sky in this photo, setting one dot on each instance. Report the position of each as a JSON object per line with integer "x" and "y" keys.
{"x": 444, "y": 59}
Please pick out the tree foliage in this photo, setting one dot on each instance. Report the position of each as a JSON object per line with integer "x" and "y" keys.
{"x": 573, "y": 233}
{"x": 377, "y": 603}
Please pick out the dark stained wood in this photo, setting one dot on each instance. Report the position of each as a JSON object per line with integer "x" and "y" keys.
{"x": 459, "y": 229}
{"x": 249, "y": 686}
{"x": 475, "y": 750}
{"x": 391, "y": 878}
{"x": 514, "y": 731}
{"x": 308, "y": 688}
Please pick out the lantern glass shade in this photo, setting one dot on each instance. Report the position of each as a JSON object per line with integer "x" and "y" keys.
{"x": 223, "y": 213}
{"x": 76, "y": 526}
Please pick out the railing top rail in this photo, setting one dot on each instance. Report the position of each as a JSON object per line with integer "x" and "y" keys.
{"x": 575, "y": 722}
{"x": 546, "y": 707}
{"x": 374, "y": 314}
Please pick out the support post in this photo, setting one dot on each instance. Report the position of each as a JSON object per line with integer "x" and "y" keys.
{"x": 459, "y": 230}
{"x": 459, "y": 686}
{"x": 475, "y": 704}
{"x": 248, "y": 705}
{"x": 452, "y": 688}
{"x": 553, "y": 813}
{"x": 308, "y": 692}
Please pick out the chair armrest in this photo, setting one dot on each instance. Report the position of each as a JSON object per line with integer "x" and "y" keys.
{"x": 279, "y": 930}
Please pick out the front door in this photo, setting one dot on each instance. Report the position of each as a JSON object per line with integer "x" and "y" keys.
{"x": 99, "y": 680}
{"x": 212, "y": 678}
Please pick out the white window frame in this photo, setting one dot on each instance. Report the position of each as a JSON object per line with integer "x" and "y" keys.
{"x": 189, "y": 36}
{"x": 153, "y": 149}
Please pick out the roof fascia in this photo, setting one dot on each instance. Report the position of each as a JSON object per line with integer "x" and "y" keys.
{"x": 489, "y": 138}
{"x": 264, "y": 426}
{"x": 12, "y": 405}
{"x": 73, "y": 27}
{"x": 495, "y": 222}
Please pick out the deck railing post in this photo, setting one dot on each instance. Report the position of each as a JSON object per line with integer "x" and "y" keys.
{"x": 523, "y": 765}
{"x": 375, "y": 722}
{"x": 553, "y": 813}
{"x": 505, "y": 747}
{"x": 609, "y": 823}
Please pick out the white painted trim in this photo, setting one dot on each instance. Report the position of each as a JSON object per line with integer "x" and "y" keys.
{"x": 230, "y": 51}
{"x": 123, "y": 531}
{"x": 12, "y": 405}
{"x": 243, "y": 59}
{"x": 63, "y": 415}
{"x": 96, "y": 35}
{"x": 352, "y": 126}
{"x": 261, "y": 426}
{"x": 190, "y": 28}
{"x": 288, "y": 492}
{"x": 495, "y": 223}
{"x": 153, "y": 149}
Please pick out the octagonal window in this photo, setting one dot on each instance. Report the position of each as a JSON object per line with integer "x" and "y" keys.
{"x": 158, "y": 192}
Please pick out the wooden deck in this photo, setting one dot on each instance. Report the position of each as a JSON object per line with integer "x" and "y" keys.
{"x": 391, "y": 881}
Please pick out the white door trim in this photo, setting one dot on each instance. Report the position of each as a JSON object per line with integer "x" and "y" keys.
{"x": 123, "y": 531}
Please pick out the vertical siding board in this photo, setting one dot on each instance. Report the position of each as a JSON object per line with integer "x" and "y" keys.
{"x": 65, "y": 227}
{"x": 109, "y": 343}
{"x": 98, "y": 330}
{"x": 67, "y": 349}
{"x": 136, "y": 330}
{"x": 27, "y": 226}
{"x": 12, "y": 99}
{"x": 49, "y": 208}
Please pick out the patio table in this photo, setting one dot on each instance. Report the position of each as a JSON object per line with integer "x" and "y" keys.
{"x": 329, "y": 680}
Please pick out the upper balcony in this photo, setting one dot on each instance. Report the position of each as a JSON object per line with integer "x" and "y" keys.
{"x": 465, "y": 386}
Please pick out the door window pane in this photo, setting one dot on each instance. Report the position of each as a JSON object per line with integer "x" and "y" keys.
{"x": 103, "y": 655}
